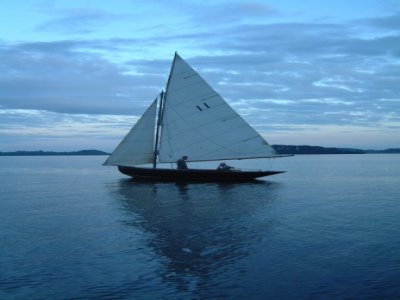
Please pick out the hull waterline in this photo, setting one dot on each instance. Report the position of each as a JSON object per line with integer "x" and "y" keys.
{"x": 193, "y": 175}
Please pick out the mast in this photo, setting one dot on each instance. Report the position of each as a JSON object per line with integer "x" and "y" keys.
{"x": 161, "y": 113}
{"x": 159, "y": 119}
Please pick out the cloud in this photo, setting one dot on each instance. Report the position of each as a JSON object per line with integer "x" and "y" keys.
{"x": 72, "y": 21}
{"x": 62, "y": 78}
{"x": 26, "y": 128}
{"x": 351, "y": 136}
{"x": 231, "y": 12}
{"x": 391, "y": 22}
{"x": 318, "y": 74}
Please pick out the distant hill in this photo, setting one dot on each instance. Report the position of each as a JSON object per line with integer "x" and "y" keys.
{"x": 388, "y": 151}
{"x": 292, "y": 149}
{"x": 52, "y": 153}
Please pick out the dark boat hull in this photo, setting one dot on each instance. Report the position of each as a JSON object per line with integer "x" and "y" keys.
{"x": 194, "y": 175}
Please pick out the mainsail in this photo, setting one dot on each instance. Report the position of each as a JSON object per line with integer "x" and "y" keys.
{"x": 138, "y": 145}
{"x": 197, "y": 122}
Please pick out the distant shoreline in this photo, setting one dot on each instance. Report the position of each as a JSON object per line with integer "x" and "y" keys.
{"x": 305, "y": 149}
{"x": 54, "y": 153}
{"x": 281, "y": 149}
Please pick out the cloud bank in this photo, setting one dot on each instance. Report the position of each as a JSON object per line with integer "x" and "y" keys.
{"x": 283, "y": 77}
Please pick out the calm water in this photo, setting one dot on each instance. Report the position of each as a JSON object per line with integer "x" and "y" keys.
{"x": 329, "y": 228}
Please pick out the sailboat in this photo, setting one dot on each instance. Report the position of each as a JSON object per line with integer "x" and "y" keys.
{"x": 189, "y": 119}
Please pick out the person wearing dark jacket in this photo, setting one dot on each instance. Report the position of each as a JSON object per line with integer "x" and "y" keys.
{"x": 181, "y": 163}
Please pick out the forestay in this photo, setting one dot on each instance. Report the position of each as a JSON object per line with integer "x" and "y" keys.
{"x": 138, "y": 145}
{"x": 197, "y": 122}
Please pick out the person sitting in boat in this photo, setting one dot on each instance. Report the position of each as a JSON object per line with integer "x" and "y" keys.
{"x": 181, "y": 163}
{"x": 224, "y": 167}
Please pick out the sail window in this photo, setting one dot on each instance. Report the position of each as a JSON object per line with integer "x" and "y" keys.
{"x": 199, "y": 108}
{"x": 206, "y": 105}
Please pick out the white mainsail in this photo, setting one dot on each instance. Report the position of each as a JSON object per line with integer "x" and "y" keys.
{"x": 197, "y": 122}
{"x": 138, "y": 145}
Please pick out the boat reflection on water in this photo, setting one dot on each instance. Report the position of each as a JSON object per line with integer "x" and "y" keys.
{"x": 200, "y": 230}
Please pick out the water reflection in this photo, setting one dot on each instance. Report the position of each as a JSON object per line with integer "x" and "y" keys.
{"x": 200, "y": 229}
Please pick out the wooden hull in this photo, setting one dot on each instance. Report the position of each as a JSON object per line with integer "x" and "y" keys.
{"x": 193, "y": 175}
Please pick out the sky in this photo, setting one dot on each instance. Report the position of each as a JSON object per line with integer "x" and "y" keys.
{"x": 78, "y": 74}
